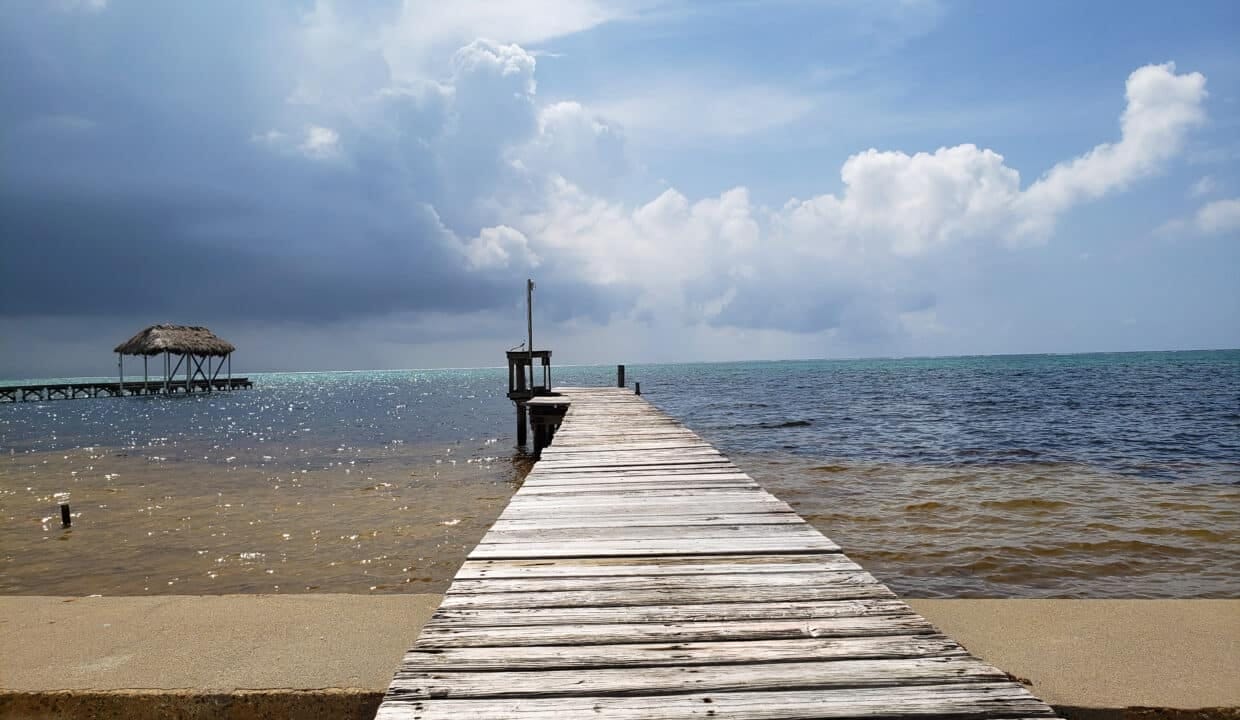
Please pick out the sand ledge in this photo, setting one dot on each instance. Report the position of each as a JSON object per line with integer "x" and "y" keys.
{"x": 331, "y": 655}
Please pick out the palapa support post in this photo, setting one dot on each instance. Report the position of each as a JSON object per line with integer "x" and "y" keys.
{"x": 521, "y": 425}
{"x": 120, "y": 369}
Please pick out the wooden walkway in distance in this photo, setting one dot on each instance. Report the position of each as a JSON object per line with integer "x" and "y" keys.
{"x": 43, "y": 392}
{"x": 639, "y": 574}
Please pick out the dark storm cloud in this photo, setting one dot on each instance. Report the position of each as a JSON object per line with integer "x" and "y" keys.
{"x": 136, "y": 181}
{"x": 88, "y": 255}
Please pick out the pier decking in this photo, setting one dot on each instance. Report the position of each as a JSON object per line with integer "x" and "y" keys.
{"x": 639, "y": 574}
{"x": 40, "y": 392}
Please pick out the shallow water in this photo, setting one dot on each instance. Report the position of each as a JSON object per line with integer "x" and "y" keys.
{"x": 400, "y": 521}
{"x": 1033, "y": 476}
{"x": 1019, "y": 530}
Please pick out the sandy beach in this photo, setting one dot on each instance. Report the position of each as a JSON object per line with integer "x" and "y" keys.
{"x": 332, "y": 655}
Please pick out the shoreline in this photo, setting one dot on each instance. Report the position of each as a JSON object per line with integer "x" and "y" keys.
{"x": 332, "y": 655}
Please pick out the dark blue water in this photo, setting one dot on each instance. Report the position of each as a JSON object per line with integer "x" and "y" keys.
{"x": 1172, "y": 416}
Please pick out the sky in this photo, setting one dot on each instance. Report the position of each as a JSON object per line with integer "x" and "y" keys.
{"x": 350, "y": 185}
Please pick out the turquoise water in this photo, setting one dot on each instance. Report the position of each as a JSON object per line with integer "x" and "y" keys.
{"x": 1103, "y": 475}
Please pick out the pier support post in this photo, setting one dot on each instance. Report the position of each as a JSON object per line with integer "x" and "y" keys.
{"x": 521, "y": 425}
{"x": 541, "y": 439}
{"x": 619, "y": 376}
{"x": 637, "y": 388}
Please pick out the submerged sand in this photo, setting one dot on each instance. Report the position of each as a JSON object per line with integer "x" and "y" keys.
{"x": 373, "y": 520}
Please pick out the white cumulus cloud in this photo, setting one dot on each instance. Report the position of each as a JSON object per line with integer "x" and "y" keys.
{"x": 1220, "y": 216}
{"x": 1162, "y": 107}
{"x": 577, "y": 144}
{"x": 500, "y": 247}
{"x": 320, "y": 143}
{"x": 1205, "y": 186}
{"x": 852, "y": 258}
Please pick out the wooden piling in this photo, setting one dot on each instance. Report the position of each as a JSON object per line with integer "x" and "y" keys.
{"x": 619, "y": 376}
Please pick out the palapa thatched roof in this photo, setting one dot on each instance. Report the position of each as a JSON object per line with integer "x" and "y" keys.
{"x": 176, "y": 339}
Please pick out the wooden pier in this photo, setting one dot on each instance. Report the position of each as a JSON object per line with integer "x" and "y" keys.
{"x": 639, "y": 574}
{"x": 41, "y": 392}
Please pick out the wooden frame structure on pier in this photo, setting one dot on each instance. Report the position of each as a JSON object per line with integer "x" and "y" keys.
{"x": 202, "y": 354}
{"x": 523, "y": 383}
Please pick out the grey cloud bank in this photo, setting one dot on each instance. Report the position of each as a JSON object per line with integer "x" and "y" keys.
{"x": 300, "y": 176}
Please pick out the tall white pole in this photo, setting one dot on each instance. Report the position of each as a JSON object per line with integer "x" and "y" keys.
{"x": 529, "y": 316}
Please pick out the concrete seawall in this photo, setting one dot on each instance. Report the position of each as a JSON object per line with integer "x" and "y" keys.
{"x": 320, "y": 656}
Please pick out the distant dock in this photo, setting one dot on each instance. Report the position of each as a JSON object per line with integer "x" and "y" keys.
{"x": 638, "y": 573}
{"x": 202, "y": 360}
{"x": 42, "y": 392}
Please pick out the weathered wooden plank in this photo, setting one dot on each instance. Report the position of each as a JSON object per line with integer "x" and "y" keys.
{"x": 638, "y": 463}
{"x": 437, "y": 634}
{"x": 533, "y": 480}
{"x": 741, "y": 582}
{"x": 649, "y": 532}
{"x": 585, "y": 489}
{"x": 646, "y": 496}
{"x": 561, "y": 494}
{"x": 672, "y": 594}
{"x": 754, "y": 677}
{"x": 613, "y": 567}
{"x": 687, "y": 442}
{"x": 593, "y": 452}
{"x": 621, "y": 548}
{"x": 726, "y": 652}
{"x": 960, "y": 701}
{"x": 619, "y": 476}
{"x": 649, "y": 508}
{"x": 685, "y": 613}
{"x": 634, "y": 520}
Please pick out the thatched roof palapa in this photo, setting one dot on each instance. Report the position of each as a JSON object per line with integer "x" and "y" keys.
{"x": 176, "y": 339}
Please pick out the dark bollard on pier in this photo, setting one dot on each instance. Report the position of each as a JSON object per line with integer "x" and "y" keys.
{"x": 619, "y": 376}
